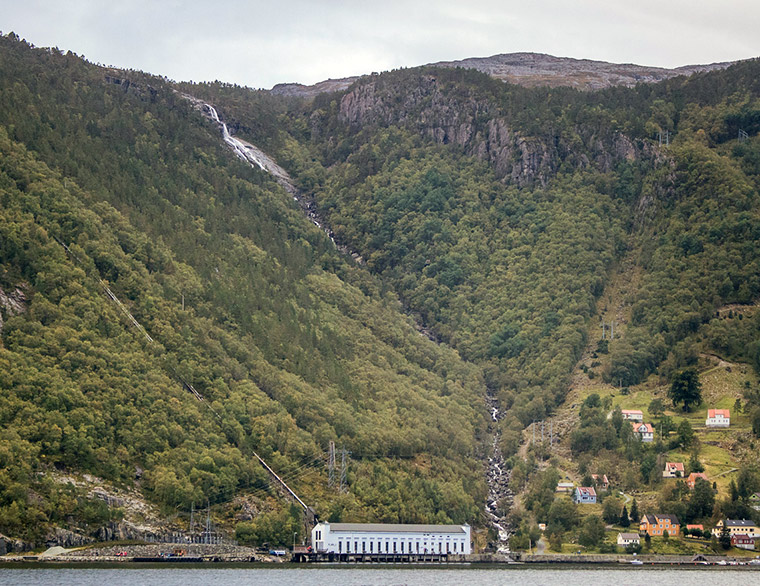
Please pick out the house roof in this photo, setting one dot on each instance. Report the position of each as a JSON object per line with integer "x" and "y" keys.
{"x": 637, "y": 427}
{"x": 711, "y": 413}
{"x": 739, "y": 523}
{"x": 694, "y": 475}
{"x": 393, "y": 528}
{"x": 657, "y": 518}
{"x": 629, "y": 535}
{"x": 586, "y": 490}
{"x": 700, "y": 527}
{"x": 674, "y": 466}
{"x": 632, "y": 412}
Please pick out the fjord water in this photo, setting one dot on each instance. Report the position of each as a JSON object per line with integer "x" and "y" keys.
{"x": 377, "y": 576}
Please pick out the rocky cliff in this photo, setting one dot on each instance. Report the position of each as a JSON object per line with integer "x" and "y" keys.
{"x": 478, "y": 127}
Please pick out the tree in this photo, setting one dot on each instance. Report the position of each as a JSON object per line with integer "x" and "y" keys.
{"x": 624, "y": 521}
{"x": 563, "y": 515}
{"x": 702, "y": 499}
{"x": 611, "y": 510}
{"x": 685, "y": 434}
{"x": 738, "y": 406}
{"x": 694, "y": 464}
{"x": 635, "y": 515}
{"x": 555, "y": 541}
{"x": 656, "y": 408}
{"x": 725, "y": 536}
{"x": 592, "y": 531}
{"x": 686, "y": 389}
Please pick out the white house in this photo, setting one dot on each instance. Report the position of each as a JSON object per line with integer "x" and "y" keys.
{"x": 628, "y": 539}
{"x": 633, "y": 415}
{"x": 718, "y": 418}
{"x": 673, "y": 470}
{"x": 645, "y": 431}
{"x": 380, "y": 538}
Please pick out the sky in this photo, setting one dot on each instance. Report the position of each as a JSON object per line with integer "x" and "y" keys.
{"x": 261, "y": 43}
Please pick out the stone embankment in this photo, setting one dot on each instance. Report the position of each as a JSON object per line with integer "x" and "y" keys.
{"x": 628, "y": 559}
{"x": 153, "y": 551}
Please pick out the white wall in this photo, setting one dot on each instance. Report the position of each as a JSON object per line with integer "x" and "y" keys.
{"x": 325, "y": 540}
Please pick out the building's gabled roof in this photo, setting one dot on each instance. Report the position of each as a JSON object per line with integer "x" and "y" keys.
{"x": 652, "y": 519}
{"x": 739, "y": 523}
{"x": 637, "y": 427}
{"x": 602, "y": 479}
{"x": 694, "y": 475}
{"x": 674, "y": 466}
{"x": 394, "y": 528}
{"x": 632, "y": 412}
{"x": 700, "y": 527}
{"x": 712, "y": 413}
{"x": 629, "y": 535}
{"x": 586, "y": 491}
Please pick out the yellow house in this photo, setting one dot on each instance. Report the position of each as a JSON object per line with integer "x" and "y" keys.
{"x": 737, "y": 527}
{"x": 658, "y": 525}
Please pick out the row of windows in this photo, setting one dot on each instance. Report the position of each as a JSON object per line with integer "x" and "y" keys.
{"x": 398, "y": 547}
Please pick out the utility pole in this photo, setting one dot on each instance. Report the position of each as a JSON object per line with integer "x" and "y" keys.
{"x": 208, "y": 522}
{"x": 543, "y": 423}
{"x": 192, "y": 521}
{"x": 331, "y": 465}
{"x": 343, "y": 469}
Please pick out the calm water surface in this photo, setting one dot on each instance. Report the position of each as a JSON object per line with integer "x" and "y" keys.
{"x": 381, "y": 576}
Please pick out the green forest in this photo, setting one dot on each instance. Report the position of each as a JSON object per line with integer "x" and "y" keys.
{"x": 490, "y": 215}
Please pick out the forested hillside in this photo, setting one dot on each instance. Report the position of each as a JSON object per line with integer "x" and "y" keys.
{"x": 290, "y": 344}
{"x": 495, "y": 216}
{"x": 500, "y": 214}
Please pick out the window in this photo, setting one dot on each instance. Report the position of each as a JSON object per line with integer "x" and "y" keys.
{"x": 340, "y": 547}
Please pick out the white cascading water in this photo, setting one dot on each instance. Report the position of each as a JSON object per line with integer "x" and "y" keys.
{"x": 240, "y": 148}
{"x": 497, "y": 475}
{"x": 498, "y": 482}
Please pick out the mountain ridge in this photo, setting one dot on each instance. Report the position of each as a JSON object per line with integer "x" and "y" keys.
{"x": 531, "y": 69}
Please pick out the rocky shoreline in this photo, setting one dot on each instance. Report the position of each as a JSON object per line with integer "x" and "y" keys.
{"x": 173, "y": 553}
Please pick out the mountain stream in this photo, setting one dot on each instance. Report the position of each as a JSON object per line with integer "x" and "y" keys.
{"x": 499, "y": 495}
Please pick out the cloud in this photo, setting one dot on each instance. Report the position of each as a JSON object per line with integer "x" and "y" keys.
{"x": 260, "y": 43}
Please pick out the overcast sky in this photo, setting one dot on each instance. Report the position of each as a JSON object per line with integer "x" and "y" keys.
{"x": 261, "y": 43}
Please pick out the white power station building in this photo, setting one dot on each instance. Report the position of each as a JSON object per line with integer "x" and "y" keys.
{"x": 379, "y": 538}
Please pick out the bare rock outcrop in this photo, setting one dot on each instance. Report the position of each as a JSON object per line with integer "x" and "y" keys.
{"x": 477, "y": 127}
{"x": 12, "y": 302}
